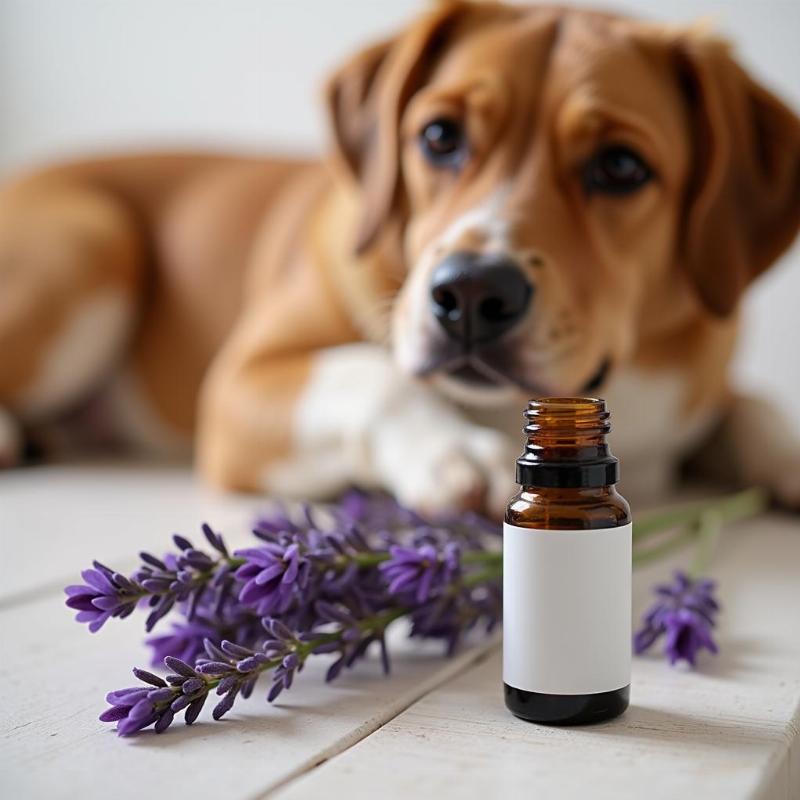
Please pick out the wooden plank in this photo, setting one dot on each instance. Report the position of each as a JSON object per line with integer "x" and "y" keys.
{"x": 54, "y": 520}
{"x": 728, "y": 730}
{"x": 54, "y": 674}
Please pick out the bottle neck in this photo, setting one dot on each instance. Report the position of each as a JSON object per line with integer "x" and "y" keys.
{"x": 566, "y": 445}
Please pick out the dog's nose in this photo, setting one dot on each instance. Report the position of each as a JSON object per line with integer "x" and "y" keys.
{"x": 477, "y": 298}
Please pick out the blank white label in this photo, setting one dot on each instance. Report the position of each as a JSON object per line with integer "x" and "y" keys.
{"x": 566, "y": 609}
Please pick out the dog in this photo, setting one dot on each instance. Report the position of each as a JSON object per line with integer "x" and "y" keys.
{"x": 519, "y": 201}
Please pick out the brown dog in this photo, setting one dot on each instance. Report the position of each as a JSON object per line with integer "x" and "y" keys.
{"x": 521, "y": 201}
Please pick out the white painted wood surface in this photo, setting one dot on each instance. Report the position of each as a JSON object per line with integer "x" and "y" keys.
{"x": 728, "y": 730}
{"x": 436, "y": 728}
{"x": 61, "y": 517}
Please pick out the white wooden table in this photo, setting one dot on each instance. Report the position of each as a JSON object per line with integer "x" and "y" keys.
{"x": 436, "y": 728}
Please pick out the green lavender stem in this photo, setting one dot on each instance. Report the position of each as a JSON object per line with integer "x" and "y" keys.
{"x": 730, "y": 508}
{"x": 709, "y": 528}
{"x": 304, "y": 649}
{"x": 676, "y": 542}
{"x": 373, "y": 559}
{"x": 700, "y": 522}
{"x": 688, "y": 518}
{"x": 492, "y": 571}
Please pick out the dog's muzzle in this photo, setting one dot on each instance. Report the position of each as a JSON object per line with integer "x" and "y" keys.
{"x": 478, "y": 297}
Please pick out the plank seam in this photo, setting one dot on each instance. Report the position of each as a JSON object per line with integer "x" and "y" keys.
{"x": 458, "y": 666}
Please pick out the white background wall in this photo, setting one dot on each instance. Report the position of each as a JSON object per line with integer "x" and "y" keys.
{"x": 78, "y": 76}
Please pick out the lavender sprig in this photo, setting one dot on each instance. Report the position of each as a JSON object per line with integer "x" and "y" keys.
{"x": 231, "y": 671}
{"x": 185, "y": 577}
{"x": 685, "y": 613}
{"x": 368, "y": 558}
{"x": 310, "y": 586}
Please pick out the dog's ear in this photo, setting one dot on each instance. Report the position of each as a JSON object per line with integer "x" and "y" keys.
{"x": 743, "y": 204}
{"x": 366, "y": 98}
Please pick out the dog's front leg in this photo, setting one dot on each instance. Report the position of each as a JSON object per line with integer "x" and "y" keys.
{"x": 309, "y": 425}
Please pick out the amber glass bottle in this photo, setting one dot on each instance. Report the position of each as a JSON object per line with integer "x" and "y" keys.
{"x": 567, "y": 571}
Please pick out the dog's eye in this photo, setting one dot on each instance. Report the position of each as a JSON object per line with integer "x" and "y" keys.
{"x": 443, "y": 142}
{"x": 616, "y": 170}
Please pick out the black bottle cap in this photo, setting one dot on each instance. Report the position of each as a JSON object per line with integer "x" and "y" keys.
{"x": 555, "y": 475}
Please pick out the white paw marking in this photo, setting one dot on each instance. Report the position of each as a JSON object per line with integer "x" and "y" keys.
{"x": 650, "y": 430}
{"x": 463, "y": 467}
{"x": 359, "y": 420}
{"x": 347, "y": 390}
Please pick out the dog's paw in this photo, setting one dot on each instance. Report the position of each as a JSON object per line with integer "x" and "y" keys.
{"x": 467, "y": 469}
{"x": 10, "y": 440}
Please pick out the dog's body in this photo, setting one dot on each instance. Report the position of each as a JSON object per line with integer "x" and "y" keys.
{"x": 249, "y": 304}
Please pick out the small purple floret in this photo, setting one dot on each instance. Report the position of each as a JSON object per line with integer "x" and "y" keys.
{"x": 105, "y": 594}
{"x": 420, "y": 572}
{"x": 684, "y": 615}
{"x": 272, "y": 577}
{"x": 185, "y": 641}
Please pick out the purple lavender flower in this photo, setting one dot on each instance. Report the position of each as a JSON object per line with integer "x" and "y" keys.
{"x": 353, "y": 637}
{"x": 187, "y": 637}
{"x": 282, "y": 646}
{"x": 303, "y": 561}
{"x": 105, "y": 594}
{"x": 186, "y": 577}
{"x": 277, "y": 522}
{"x": 685, "y": 615}
{"x": 228, "y": 668}
{"x": 420, "y": 572}
{"x": 272, "y": 576}
{"x": 232, "y": 670}
{"x": 451, "y": 615}
{"x": 185, "y": 641}
{"x": 157, "y": 702}
{"x": 376, "y": 511}
{"x": 686, "y": 634}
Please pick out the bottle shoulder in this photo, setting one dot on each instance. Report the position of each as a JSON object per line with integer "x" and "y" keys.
{"x": 557, "y": 509}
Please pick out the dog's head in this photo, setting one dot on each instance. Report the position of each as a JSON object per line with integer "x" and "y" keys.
{"x": 559, "y": 184}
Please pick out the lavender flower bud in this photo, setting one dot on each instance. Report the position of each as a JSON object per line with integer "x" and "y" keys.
{"x": 684, "y": 615}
